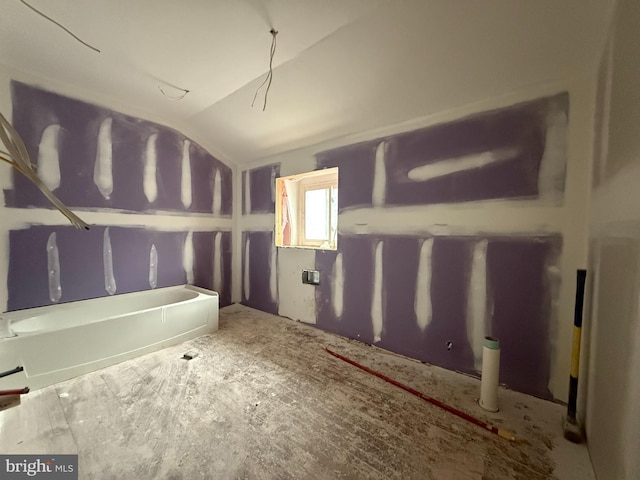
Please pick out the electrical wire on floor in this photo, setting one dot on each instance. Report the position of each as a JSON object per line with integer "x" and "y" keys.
{"x": 459, "y": 413}
{"x": 61, "y": 26}
{"x": 269, "y": 77}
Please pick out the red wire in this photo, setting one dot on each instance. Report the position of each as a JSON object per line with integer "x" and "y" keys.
{"x": 20, "y": 391}
{"x": 424, "y": 397}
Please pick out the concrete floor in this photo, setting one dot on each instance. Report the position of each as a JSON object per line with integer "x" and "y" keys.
{"x": 263, "y": 400}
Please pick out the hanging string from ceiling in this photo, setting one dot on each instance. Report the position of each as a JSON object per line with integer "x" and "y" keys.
{"x": 269, "y": 77}
{"x": 61, "y": 26}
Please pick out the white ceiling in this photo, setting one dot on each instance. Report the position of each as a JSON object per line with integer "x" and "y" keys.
{"x": 341, "y": 66}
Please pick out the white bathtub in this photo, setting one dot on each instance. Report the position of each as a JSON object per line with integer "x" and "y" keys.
{"x": 59, "y": 342}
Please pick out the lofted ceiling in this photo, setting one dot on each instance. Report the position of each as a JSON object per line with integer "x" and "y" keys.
{"x": 340, "y": 67}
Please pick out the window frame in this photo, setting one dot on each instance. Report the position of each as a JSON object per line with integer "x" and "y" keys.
{"x": 306, "y": 185}
{"x": 314, "y": 180}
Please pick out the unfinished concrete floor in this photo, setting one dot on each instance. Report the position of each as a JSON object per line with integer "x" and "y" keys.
{"x": 264, "y": 400}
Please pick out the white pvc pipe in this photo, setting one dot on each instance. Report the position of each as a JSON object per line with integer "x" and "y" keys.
{"x": 490, "y": 374}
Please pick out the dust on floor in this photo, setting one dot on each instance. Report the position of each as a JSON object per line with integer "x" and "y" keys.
{"x": 263, "y": 400}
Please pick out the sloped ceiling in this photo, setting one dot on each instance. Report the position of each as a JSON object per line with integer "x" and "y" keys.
{"x": 341, "y": 66}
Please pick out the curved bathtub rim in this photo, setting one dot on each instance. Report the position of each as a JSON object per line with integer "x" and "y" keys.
{"x": 200, "y": 294}
{"x": 22, "y": 333}
{"x": 54, "y": 356}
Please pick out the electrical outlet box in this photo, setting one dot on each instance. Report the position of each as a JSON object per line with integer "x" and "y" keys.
{"x": 312, "y": 277}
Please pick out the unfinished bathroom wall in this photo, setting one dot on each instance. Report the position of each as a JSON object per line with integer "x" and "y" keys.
{"x": 159, "y": 205}
{"x": 259, "y": 254}
{"x": 613, "y": 419}
{"x": 450, "y": 228}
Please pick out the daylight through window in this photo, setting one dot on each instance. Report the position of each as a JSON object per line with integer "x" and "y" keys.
{"x": 307, "y": 210}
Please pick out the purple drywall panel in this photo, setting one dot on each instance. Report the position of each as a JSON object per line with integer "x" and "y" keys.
{"x": 357, "y": 259}
{"x": 202, "y": 181}
{"x": 520, "y": 129}
{"x": 491, "y": 155}
{"x": 81, "y": 272}
{"x": 356, "y": 171}
{"x": 129, "y": 147}
{"x": 226, "y": 178}
{"x": 517, "y": 275}
{"x": 260, "y": 248}
{"x": 225, "y": 294}
{"x": 203, "y": 259}
{"x": 325, "y": 313}
{"x": 450, "y": 271}
{"x": 35, "y": 109}
{"x": 170, "y": 246}
{"x": 82, "y": 268}
{"x": 262, "y": 188}
{"x": 449, "y": 285}
{"x": 131, "y": 259}
{"x": 518, "y": 290}
{"x": 400, "y": 331}
{"x": 169, "y": 170}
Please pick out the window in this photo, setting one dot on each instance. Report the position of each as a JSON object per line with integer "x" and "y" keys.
{"x": 307, "y": 210}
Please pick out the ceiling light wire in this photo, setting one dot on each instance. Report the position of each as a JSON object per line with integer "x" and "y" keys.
{"x": 269, "y": 76}
{"x": 179, "y": 97}
{"x": 61, "y": 26}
